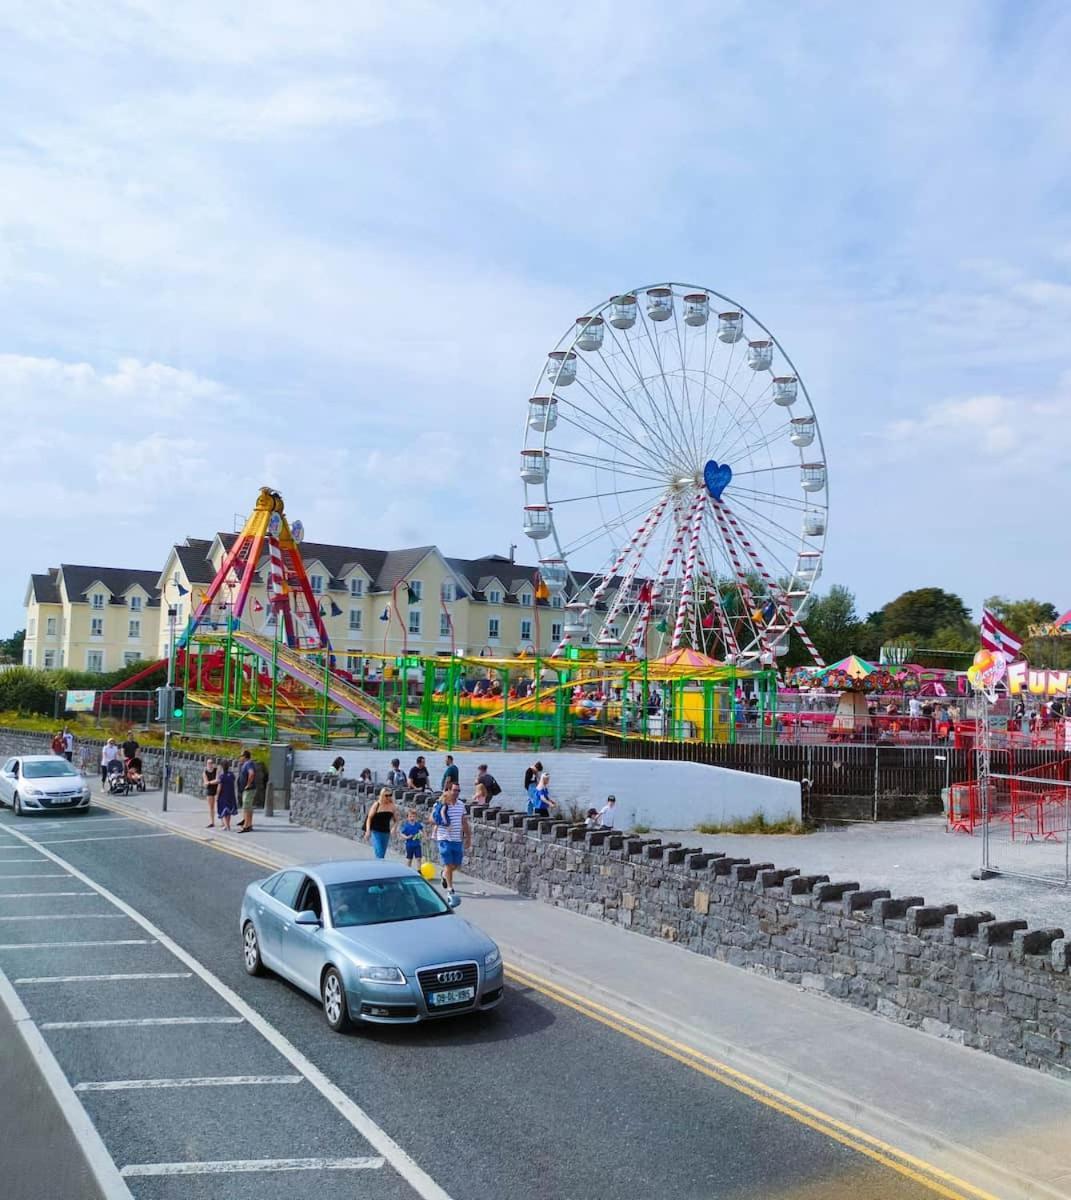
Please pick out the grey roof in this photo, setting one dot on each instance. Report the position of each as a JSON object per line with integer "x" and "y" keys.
{"x": 397, "y": 564}
{"x": 78, "y": 579}
{"x": 337, "y": 559}
{"x": 46, "y": 587}
{"x": 193, "y": 558}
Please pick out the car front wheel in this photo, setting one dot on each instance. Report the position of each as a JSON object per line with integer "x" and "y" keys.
{"x": 334, "y": 998}
{"x": 251, "y": 950}
{"x": 16, "y": 805}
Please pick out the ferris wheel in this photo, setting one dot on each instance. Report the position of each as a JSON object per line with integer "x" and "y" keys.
{"x": 671, "y": 449}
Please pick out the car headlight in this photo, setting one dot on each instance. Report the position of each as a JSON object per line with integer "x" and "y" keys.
{"x": 381, "y": 974}
{"x": 36, "y": 793}
{"x": 493, "y": 958}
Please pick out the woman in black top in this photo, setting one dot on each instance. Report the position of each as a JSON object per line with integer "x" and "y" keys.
{"x": 211, "y": 786}
{"x": 380, "y": 823}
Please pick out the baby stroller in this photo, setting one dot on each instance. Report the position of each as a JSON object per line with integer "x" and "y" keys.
{"x": 134, "y": 780}
{"x": 115, "y": 783}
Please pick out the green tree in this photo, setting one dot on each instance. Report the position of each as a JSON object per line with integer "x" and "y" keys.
{"x": 11, "y": 648}
{"x": 922, "y": 613}
{"x": 1019, "y": 615}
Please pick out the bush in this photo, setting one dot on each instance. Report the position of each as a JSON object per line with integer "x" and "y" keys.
{"x": 755, "y": 824}
{"x": 30, "y": 690}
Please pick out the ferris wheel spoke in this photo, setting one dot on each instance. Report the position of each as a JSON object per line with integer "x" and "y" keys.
{"x": 682, "y": 339}
{"x": 622, "y": 393}
{"x": 748, "y": 450}
{"x": 728, "y": 414}
{"x": 671, "y": 410}
{"x": 778, "y": 501}
{"x": 612, "y": 417}
{"x": 745, "y": 419}
{"x": 656, "y": 487}
{"x": 596, "y": 434}
{"x": 594, "y": 535}
{"x": 575, "y": 458}
{"x": 771, "y": 530}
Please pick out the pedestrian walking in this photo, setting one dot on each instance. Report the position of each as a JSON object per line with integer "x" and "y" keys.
{"x": 380, "y": 822}
{"x": 226, "y": 796}
{"x": 450, "y": 773}
{"x": 539, "y": 801}
{"x": 130, "y": 746}
{"x": 532, "y": 774}
{"x": 607, "y": 817}
{"x": 68, "y": 745}
{"x": 247, "y": 790}
{"x": 57, "y": 743}
{"x": 210, "y": 783}
{"x": 418, "y": 774}
{"x": 413, "y": 831}
{"x": 479, "y": 794}
{"x": 109, "y": 752}
{"x": 489, "y": 782}
{"x": 453, "y": 832}
{"x": 395, "y": 776}
{"x": 337, "y": 767}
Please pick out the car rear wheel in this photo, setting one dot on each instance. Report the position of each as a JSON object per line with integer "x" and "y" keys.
{"x": 334, "y": 998}
{"x": 251, "y": 950}
{"x": 16, "y": 805}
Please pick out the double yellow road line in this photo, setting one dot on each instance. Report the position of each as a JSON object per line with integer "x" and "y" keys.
{"x": 936, "y": 1180}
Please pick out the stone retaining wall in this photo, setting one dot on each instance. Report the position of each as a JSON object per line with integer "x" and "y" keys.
{"x": 994, "y": 985}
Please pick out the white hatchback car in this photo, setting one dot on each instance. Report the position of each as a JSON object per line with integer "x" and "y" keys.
{"x": 42, "y": 783}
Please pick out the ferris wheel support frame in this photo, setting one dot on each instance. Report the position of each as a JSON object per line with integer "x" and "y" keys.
{"x": 687, "y": 583}
{"x": 639, "y": 634}
{"x": 738, "y": 566}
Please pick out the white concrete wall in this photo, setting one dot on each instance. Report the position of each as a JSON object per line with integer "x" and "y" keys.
{"x": 681, "y": 795}
{"x": 663, "y": 795}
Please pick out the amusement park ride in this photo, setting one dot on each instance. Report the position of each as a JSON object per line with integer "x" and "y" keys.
{"x": 670, "y": 434}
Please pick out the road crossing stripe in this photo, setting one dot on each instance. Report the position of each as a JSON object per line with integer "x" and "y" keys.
{"x": 105, "y": 978}
{"x": 65, "y": 917}
{"x": 67, "y": 945}
{"x": 127, "y": 1022}
{"x": 924, "y": 1173}
{"x": 413, "y": 1174}
{"x": 230, "y": 1166}
{"x": 123, "y": 1085}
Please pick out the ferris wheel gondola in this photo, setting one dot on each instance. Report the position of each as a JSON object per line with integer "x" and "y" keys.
{"x": 671, "y": 442}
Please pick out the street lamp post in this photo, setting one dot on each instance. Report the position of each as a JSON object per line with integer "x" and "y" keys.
{"x": 171, "y": 614}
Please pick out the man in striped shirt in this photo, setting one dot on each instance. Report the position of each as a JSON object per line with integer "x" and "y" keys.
{"x": 453, "y": 832}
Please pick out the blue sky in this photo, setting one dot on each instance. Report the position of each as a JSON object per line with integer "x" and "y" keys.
{"x": 327, "y": 247}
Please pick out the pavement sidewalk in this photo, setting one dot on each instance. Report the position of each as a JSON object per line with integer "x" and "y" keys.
{"x": 1003, "y": 1128}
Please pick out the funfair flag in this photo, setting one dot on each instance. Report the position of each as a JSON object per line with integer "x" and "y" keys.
{"x": 999, "y": 638}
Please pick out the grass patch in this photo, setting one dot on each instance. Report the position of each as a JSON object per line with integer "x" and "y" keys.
{"x": 641, "y": 829}
{"x": 755, "y": 824}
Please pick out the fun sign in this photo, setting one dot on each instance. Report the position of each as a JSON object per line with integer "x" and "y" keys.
{"x": 1038, "y": 683}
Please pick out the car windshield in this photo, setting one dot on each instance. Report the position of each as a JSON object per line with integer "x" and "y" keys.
{"x": 380, "y": 901}
{"x": 47, "y": 770}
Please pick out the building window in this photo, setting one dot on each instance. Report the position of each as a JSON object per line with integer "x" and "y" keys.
{"x": 97, "y": 600}
{"x": 444, "y": 625}
{"x": 353, "y": 663}
{"x": 96, "y": 627}
{"x": 356, "y": 587}
{"x": 50, "y": 659}
{"x": 31, "y": 627}
{"x": 492, "y": 629}
{"x": 447, "y": 592}
{"x": 316, "y": 582}
{"x": 526, "y": 599}
{"x": 130, "y": 657}
{"x": 134, "y": 632}
{"x": 416, "y": 591}
{"x": 414, "y": 621}
{"x": 526, "y": 631}
{"x": 556, "y": 633}
{"x": 557, "y": 602}
{"x": 355, "y": 620}
{"x": 95, "y": 660}
{"x": 50, "y": 627}
{"x": 494, "y": 597}
{"x": 135, "y": 604}
{"x": 28, "y": 655}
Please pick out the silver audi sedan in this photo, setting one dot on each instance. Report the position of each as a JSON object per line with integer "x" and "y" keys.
{"x": 372, "y": 941}
{"x": 34, "y": 783}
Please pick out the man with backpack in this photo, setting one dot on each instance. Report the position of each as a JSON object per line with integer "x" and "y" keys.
{"x": 396, "y": 776}
{"x": 490, "y": 783}
{"x": 453, "y": 833}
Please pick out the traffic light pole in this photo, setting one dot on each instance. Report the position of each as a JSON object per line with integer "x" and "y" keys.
{"x": 167, "y": 707}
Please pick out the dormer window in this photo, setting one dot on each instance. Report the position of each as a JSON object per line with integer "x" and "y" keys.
{"x": 447, "y": 592}
{"x": 97, "y": 600}
{"x": 135, "y": 604}
{"x": 316, "y": 582}
{"x": 526, "y": 599}
{"x": 494, "y": 596}
{"x": 356, "y": 587}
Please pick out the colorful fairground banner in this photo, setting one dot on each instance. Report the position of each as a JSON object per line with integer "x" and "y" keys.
{"x": 1044, "y": 682}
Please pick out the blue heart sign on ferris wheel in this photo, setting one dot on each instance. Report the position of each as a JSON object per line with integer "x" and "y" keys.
{"x": 717, "y": 477}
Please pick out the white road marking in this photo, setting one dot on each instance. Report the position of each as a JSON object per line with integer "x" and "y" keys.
{"x": 417, "y": 1178}
{"x": 65, "y": 917}
{"x": 66, "y": 945}
{"x": 105, "y": 978}
{"x": 104, "y": 1170}
{"x": 126, "y": 1022}
{"x": 31, "y": 895}
{"x": 105, "y": 837}
{"x": 230, "y": 1166}
{"x": 52, "y": 876}
{"x": 123, "y": 1085}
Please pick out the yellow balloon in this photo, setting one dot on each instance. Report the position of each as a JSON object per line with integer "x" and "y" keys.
{"x": 427, "y": 870}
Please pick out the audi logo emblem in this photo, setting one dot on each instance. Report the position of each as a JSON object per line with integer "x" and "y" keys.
{"x": 450, "y": 976}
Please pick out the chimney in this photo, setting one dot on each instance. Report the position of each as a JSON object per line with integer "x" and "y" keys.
{"x": 512, "y": 548}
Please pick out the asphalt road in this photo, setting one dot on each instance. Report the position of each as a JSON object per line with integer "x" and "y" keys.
{"x": 534, "y": 1101}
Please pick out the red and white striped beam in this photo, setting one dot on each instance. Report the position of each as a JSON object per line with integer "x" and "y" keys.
{"x": 687, "y": 584}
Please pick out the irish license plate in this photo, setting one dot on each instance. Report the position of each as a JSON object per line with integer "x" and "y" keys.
{"x": 457, "y": 996}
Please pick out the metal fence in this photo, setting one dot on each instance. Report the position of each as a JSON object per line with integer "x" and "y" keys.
{"x": 1025, "y": 820}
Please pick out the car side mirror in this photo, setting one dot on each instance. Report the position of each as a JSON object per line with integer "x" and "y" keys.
{"x": 308, "y": 917}
{"x": 454, "y": 901}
